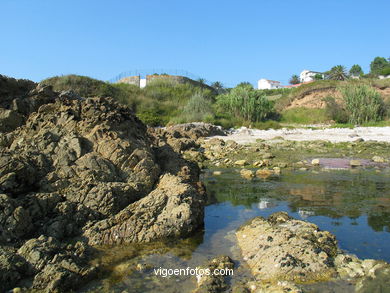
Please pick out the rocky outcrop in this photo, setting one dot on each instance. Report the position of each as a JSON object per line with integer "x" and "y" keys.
{"x": 283, "y": 251}
{"x": 72, "y": 167}
{"x": 172, "y": 209}
{"x": 182, "y": 137}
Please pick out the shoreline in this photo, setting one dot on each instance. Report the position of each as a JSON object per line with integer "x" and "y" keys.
{"x": 245, "y": 135}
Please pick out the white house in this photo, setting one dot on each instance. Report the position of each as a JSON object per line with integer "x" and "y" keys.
{"x": 308, "y": 75}
{"x": 265, "y": 84}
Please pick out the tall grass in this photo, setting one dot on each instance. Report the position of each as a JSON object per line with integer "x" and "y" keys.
{"x": 363, "y": 103}
{"x": 246, "y": 103}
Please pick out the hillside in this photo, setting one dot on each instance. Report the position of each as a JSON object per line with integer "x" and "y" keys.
{"x": 312, "y": 95}
{"x": 159, "y": 103}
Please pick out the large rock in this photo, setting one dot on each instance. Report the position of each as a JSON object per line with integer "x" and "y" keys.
{"x": 71, "y": 166}
{"x": 282, "y": 248}
{"x": 172, "y": 209}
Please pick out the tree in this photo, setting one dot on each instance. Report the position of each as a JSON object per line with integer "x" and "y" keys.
{"x": 245, "y": 83}
{"x": 201, "y": 81}
{"x": 378, "y": 64}
{"x": 337, "y": 72}
{"x": 318, "y": 76}
{"x": 294, "y": 79}
{"x": 218, "y": 86}
{"x": 356, "y": 70}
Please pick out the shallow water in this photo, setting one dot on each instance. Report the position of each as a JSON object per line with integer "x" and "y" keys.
{"x": 352, "y": 204}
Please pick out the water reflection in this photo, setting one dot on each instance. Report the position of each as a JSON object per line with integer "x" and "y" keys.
{"x": 353, "y": 205}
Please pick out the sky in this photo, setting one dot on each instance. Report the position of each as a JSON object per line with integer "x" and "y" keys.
{"x": 226, "y": 41}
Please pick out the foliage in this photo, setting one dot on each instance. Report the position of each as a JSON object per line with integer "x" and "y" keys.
{"x": 318, "y": 76}
{"x": 334, "y": 111}
{"x": 245, "y": 83}
{"x": 363, "y": 103}
{"x": 337, "y": 72}
{"x": 218, "y": 86}
{"x": 198, "y": 108}
{"x": 247, "y": 103}
{"x": 378, "y": 64}
{"x": 385, "y": 71}
{"x": 294, "y": 79}
{"x": 304, "y": 116}
{"x": 356, "y": 70}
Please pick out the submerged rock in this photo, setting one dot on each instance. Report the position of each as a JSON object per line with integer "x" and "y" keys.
{"x": 214, "y": 279}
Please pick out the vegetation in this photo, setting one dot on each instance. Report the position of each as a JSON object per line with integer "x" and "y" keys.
{"x": 363, "y": 103}
{"x": 198, "y": 108}
{"x": 304, "y": 116}
{"x": 294, "y": 79}
{"x": 379, "y": 64}
{"x": 356, "y": 70}
{"x": 337, "y": 72}
{"x": 164, "y": 102}
{"x": 247, "y": 103}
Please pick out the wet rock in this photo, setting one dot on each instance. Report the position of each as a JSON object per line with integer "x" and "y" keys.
{"x": 355, "y": 163}
{"x": 247, "y": 174}
{"x": 264, "y": 173}
{"x": 282, "y": 248}
{"x": 211, "y": 282}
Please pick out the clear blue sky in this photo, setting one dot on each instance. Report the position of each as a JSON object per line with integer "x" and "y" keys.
{"x": 228, "y": 41}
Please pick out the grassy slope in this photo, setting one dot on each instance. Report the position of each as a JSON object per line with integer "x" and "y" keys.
{"x": 156, "y": 104}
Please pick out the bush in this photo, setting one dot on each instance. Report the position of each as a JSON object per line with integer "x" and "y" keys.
{"x": 246, "y": 103}
{"x": 363, "y": 103}
{"x": 334, "y": 111}
{"x": 198, "y": 108}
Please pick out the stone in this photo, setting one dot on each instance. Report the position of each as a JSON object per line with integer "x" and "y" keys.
{"x": 241, "y": 163}
{"x": 285, "y": 249}
{"x": 378, "y": 159}
{"x": 268, "y": 156}
{"x": 355, "y": 163}
{"x": 213, "y": 283}
{"x": 315, "y": 162}
{"x": 75, "y": 168}
{"x": 263, "y": 173}
{"x": 247, "y": 174}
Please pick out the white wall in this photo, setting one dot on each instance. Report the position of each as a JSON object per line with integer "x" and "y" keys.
{"x": 264, "y": 84}
{"x": 142, "y": 82}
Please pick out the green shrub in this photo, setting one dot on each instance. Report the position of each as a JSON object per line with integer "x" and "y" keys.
{"x": 363, "y": 103}
{"x": 334, "y": 111}
{"x": 198, "y": 108}
{"x": 246, "y": 103}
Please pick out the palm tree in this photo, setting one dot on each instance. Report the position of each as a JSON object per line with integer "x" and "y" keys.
{"x": 338, "y": 72}
{"x": 294, "y": 79}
